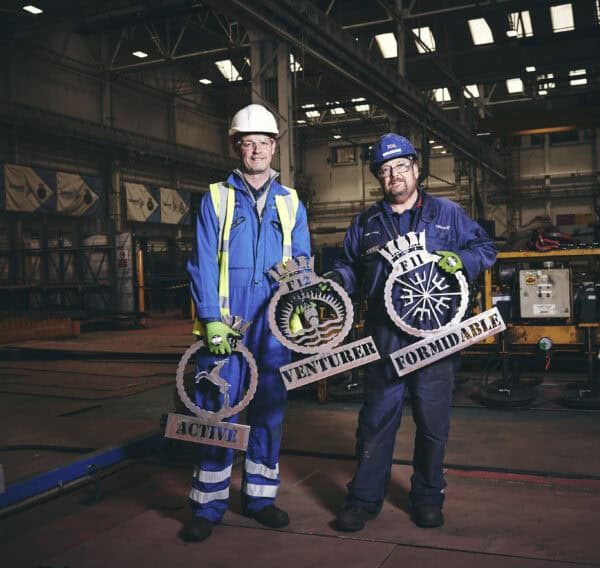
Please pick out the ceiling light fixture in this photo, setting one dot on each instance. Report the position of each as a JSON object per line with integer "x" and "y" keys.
{"x": 33, "y": 9}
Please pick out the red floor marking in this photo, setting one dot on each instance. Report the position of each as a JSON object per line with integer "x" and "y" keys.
{"x": 528, "y": 478}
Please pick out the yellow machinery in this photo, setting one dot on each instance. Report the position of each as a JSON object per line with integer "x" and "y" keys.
{"x": 549, "y": 303}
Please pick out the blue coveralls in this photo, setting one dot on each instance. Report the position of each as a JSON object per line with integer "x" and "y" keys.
{"x": 255, "y": 246}
{"x": 364, "y": 270}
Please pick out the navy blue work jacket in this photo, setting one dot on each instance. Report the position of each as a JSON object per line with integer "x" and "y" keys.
{"x": 447, "y": 227}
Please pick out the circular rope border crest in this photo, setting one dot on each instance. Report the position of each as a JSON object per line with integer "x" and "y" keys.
{"x": 208, "y": 415}
{"x": 458, "y": 316}
{"x": 321, "y": 348}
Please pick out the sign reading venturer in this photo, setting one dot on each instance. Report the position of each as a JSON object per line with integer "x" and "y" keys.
{"x": 313, "y": 315}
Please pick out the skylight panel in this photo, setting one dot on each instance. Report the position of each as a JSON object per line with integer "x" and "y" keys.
{"x": 362, "y": 108}
{"x": 514, "y": 85}
{"x": 519, "y": 24}
{"x": 530, "y": 68}
{"x": 312, "y": 113}
{"x": 481, "y": 34}
{"x": 562, "y": 18}
{"x": 424, "y": 39}
{"x": 228, "y": 70}
{"x": 387, "y": 44}
{"x": 337, "y": 110}
{"x": 471, "y": 91}
{"x": 442, "y": 95}
{"x": 295, "y": 66}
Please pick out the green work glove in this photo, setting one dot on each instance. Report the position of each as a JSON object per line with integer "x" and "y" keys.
{"x": 335, "y": 276}
{"x": 450, "y": 261}
{"x": 216, "y": 337}
{"x": 296, "y": 321}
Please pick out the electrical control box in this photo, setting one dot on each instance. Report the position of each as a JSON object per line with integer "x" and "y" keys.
{"x": 545, "y": 293}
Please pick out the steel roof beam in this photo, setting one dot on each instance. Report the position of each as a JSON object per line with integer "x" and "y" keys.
{"x": 302, "y": 25}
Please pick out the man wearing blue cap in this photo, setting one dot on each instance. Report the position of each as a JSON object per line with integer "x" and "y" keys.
{"x": 461, "y": 244}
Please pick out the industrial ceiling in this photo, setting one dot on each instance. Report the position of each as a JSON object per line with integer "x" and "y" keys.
{"x": 468, "y": 73}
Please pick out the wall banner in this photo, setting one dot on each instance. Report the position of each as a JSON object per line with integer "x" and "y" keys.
{"x": 151, "y": 204}
{"x": 26, "y": 189}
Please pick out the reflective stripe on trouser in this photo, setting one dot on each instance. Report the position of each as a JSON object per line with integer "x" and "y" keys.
{"x": 264, "y": 415}
{"x": 260, "y": 482}
{"x": 208, "y": 488}
{"x": 431, "y": 395}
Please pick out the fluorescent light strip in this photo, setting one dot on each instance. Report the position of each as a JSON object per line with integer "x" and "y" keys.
{"x": 577, "y": 82}
{"x": 33, "y": 9}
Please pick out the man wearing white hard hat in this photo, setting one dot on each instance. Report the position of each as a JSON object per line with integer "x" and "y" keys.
{"x": 228, "y": 270}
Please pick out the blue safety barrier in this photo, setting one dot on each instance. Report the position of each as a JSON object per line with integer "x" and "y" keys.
{"x": 87, "y": 466}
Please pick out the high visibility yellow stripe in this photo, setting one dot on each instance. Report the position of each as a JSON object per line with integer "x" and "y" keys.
{"x": 287, "y": 207}
{"x": 224, "y": 260}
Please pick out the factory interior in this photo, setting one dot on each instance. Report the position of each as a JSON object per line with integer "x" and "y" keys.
{"x": 114, "y": 122}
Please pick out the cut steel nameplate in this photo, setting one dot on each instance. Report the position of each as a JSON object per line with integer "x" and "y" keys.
{"x": 421, "y": 299}
{"x": 468, "y": 332}
{"x": 206, "y": 426}
{"x": 190, "y": 429}
{"x": 324, "y": 365}
{"x": 324, "y": 312}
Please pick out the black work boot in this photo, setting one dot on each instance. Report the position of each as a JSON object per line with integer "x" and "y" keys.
{"x": 271, "y": 516}
{"x": 352, "y": 519}
{"x": 427, "y": 516}
{"x": 197, "y": 530}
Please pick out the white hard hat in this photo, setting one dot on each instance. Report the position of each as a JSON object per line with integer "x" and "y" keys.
{"x": 253, "y": 119}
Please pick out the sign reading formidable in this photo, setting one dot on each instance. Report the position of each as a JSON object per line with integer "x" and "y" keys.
{"x": 205, "y": 427}
{"x": 313, "y": 315}
{"x": 424, "y": 301}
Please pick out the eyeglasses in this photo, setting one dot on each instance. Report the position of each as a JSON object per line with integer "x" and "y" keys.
{"x": 387, "y": 171}
{"x": 263, "y": 144}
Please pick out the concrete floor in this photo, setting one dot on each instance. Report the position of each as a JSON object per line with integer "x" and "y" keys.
{"x": 523, "y": 484}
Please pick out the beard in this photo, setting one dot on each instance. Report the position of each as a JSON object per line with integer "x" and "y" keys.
{"x": 399, "y": 193}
